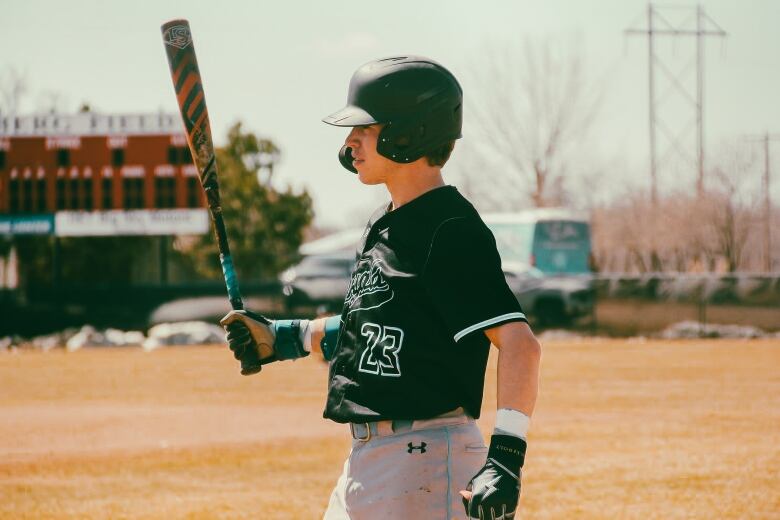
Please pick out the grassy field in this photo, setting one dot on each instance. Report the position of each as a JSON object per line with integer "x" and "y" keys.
{"x": 652, "y": 430}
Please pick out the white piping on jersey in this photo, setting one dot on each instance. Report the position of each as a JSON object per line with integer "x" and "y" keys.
{"x": 491, "y": 321}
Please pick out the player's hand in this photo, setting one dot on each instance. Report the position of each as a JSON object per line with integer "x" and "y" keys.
{"x": 249, "y": 335}
{"x": 255, "y": 340}
{"x": 493, "y": 493}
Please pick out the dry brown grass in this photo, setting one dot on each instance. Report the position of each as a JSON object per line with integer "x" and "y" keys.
{"x": 622, "y": 430}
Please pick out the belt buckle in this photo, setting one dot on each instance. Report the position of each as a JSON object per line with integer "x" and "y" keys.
{"x": 362, "y": 439}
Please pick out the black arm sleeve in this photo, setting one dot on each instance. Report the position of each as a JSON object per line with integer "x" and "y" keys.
{"x": 464, "y": 278}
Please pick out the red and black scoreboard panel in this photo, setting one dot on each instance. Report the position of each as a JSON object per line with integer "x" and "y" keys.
{"x": 98, "y": 174}
{"x": 46, "y": 174}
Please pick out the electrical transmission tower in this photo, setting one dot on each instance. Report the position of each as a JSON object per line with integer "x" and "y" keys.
{"x": 666, "y": 21}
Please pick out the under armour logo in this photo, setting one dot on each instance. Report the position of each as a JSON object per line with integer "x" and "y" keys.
{"x": 412, "y": 447}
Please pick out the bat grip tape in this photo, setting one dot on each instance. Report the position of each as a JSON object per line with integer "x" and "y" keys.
{"x": 229, "y": 271}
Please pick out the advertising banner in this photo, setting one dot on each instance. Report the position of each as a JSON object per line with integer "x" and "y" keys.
{"x": 40, "y": 224}
{"x": 134, "y": 222}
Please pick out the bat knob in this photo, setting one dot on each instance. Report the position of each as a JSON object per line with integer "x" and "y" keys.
{"x": 248, "y": 370}
{"x": 250, "y": 362}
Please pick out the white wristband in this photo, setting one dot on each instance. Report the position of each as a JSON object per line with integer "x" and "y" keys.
{"x": 305, "y": 335}
{"x": 512, "y": 422}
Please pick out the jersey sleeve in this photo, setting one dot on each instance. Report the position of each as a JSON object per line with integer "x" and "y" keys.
{"x": 464, "y": 278}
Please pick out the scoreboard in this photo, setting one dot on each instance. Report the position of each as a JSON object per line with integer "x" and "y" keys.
{"x": 94, "y": 174}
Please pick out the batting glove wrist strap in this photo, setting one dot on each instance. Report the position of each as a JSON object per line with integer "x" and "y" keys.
{"x": 328, "y": 343}
{"x": 512, "y": 422}
{"x": 508, "y": 451}
{"x": 288, "y": 344}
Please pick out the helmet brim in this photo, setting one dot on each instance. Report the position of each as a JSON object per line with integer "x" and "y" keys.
{"x": 350, "y": 115}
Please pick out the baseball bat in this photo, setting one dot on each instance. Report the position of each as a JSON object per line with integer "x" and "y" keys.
{"x": 192, "y": 105}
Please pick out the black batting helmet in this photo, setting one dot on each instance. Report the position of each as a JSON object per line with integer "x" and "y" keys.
{"x": 418, "y": 101}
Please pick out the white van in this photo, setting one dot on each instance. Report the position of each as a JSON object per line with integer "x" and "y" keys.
{"x": 554, "y": 240}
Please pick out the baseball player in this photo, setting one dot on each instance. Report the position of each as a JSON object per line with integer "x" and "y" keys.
{"x": 427, "y": 298}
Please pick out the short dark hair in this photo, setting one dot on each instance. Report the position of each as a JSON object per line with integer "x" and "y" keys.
{"x": 440, "y": 155}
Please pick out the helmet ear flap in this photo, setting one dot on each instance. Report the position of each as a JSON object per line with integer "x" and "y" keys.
{"x": 414, "y": 135}
{"x": 401, "y": 142}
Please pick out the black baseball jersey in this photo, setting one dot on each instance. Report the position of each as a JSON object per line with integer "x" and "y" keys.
{"x": 427, "y": 282}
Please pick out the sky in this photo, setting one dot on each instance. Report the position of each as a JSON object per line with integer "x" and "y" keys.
{"x": 279, "y": 67}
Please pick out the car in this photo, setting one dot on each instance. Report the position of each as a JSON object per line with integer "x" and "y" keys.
{"x": 318, "y": 283}
{"x": 549, "y": 300}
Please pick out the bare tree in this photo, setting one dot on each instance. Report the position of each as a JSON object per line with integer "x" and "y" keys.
{"x": 624, "y": 238}
{"x": 733, "y": 212}
{"x": 684, "y": 232}
{"x": 14, "y": 86}
{"x": 730, "y": 222}
{"x": 533, "y": 108}
{"x": 52, "y": 102}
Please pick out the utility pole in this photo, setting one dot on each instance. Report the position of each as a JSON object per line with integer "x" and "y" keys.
{"x": 659, "y": 24}
{"x": 767, "y": 208}
{"x": 651, "y": 90}
{"x": 700, "y": 101}
{"x": 765, "y": 140}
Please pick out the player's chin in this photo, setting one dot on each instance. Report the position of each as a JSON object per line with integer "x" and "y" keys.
{"x": 367, "y": 176}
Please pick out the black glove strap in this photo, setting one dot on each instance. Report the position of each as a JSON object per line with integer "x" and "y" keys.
{"x": 509, "y": 451}
{"x": 257, "y": 317}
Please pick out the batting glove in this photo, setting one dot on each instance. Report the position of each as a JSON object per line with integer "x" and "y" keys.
{"x": 253, "y": 336}
{"x": 495, "y": 489}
